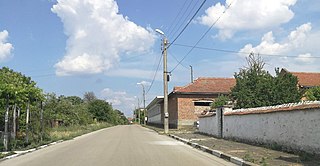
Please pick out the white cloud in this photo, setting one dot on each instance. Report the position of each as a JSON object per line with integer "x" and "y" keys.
{"x": 294, "y": 42}
{"x": 116, "y": 97}
{"x": 300, "y": 43}
{"x": 97, "y": 35}
{"x": 5, "y": 48}
{"x": 119, "y": 100}
{"x": 247, "y": 15}
{"x": 306, "y": 58}
{"x": 145, "y": 83}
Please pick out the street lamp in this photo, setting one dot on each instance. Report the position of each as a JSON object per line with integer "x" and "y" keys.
{"x": 144, "y": 102}
{"x": 165, "y": 81}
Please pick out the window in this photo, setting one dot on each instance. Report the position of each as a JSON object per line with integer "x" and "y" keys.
{"x": 202, "y": 103}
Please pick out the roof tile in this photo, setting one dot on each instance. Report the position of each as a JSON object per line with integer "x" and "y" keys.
{"x": 307, "y": 79}
{"x": 208, "y": 85}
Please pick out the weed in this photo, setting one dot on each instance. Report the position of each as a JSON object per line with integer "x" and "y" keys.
{"x": 248, "y": 157}
{"x": 276, "y": 146}
{"x": 263, "y": 161}
{"x": 303, "y": 156}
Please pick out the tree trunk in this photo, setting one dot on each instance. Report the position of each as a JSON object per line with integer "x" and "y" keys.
{"x": 14, "y": 126}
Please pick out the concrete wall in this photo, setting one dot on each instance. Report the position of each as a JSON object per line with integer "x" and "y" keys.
{"x": 154, "y": 114}
{"x": 209, "y": 125}
{"x": 295, "y": 127}
{"x": 295, "y": 130}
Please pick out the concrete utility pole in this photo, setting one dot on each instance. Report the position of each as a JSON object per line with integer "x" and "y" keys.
{"x": 138, "y": 110}
{"x": 165, "y": 82}
{"x": 144, "y": 102}
{"x": 191, "y": 72}
{"x": 165, "y": 86}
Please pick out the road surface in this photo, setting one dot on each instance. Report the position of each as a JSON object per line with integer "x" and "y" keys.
{"x": 118, "y": 146}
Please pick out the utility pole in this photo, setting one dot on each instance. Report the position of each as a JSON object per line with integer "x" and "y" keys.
{"x": 138, "y": 110}
{"x": 6, "y": 123}
{"x": 165, "y": 82}
{"x": 144, "y": 101}
{"x": 191, "y": 70}
{"x": 165, "y": 86}
{"x": 144, "y": 105}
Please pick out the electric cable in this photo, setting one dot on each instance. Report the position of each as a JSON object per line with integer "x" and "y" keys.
{"x": 201, "y": 37}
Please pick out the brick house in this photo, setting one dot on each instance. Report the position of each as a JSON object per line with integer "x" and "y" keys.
{"x": 306, "y": 80}
{"x": 187, "y": 102}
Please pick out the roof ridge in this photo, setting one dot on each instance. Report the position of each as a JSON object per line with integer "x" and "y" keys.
{"x": 306, "y": 72}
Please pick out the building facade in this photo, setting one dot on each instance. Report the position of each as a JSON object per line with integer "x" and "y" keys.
{"x": 186, "y": 103}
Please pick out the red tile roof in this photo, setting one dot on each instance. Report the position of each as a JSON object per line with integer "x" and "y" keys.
{"x": 307, "y": 79}
{"x": 208, "y": 85}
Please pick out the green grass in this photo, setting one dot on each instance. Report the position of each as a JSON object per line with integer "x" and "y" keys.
{"x": 66, "y": 133}
{"x": 55, "y": 134}
{"x": 2, "y": 155}
{"x": 248, "y": 157}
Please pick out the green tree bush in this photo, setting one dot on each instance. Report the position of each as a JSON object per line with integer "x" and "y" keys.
{"x": 255, "y": 87}
{"x": 313, "y": 93}
{"x": 19, "y": 90}
{"x": 220, "y": 101}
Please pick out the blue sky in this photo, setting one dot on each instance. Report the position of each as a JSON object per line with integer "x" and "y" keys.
{"x": 105, "y": 46}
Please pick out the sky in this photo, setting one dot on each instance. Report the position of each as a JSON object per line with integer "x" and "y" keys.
{"x": 70, "y": 47}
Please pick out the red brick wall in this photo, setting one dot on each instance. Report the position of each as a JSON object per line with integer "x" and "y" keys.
{"x": 172, "y": 109}
{"x": 184, "y": 112}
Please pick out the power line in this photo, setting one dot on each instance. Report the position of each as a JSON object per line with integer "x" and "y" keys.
{"x": 184, "y": 28}
{"x": 201, "y": 37}
{"x": 155, "y": 74}
{"x": 185, "y": 19}
{"x": 174, "y": 20}
{"x": 176, "y": 24}
{"x": 176, "y": 59}
{"x": 241, "y": 52}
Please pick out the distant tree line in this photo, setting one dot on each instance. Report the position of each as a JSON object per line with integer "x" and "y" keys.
{"x": 27, "y": 114}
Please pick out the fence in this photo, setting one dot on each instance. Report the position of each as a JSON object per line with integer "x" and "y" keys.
{"x": 291, "y": 126}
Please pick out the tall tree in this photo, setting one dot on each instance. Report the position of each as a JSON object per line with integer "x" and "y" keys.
{"x": 101, "y": 110}
{"x": 89, "y": 96}
{"x": 285, "y": 88}
{"x": 255, "y": 87}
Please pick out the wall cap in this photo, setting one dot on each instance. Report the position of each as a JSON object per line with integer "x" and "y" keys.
{"x": 278, "y": 108}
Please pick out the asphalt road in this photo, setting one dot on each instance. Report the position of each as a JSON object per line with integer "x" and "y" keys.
{"x": 118, "y": 146}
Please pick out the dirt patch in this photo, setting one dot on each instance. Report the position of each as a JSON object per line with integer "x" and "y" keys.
{"x": 255, "y": 154}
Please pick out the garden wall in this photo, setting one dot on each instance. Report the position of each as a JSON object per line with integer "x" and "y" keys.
{"x": 293, "y": 126}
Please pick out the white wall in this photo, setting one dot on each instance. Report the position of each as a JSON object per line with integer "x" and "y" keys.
{"x": 209, "y": 125}
{"x": 297, "y": 130}
{"x": 296, "y": 127}
{"x": 154, "y": 114}
{"x": 155, "y": 119}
